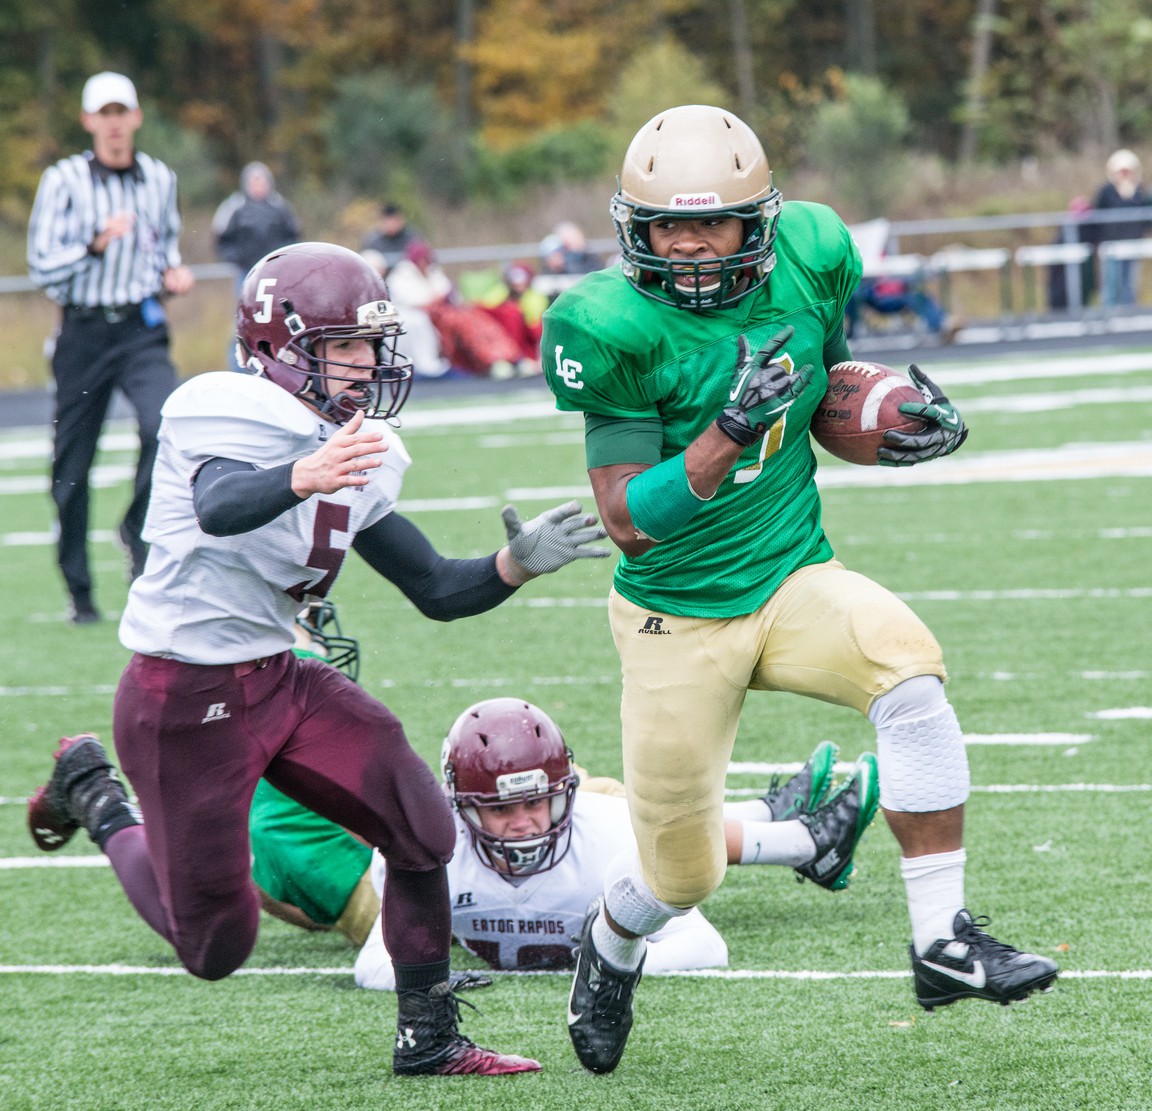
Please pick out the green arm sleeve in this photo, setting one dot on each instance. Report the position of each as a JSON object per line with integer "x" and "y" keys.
{"x": 661, "y": 500}
{"x": 611, "y": 440}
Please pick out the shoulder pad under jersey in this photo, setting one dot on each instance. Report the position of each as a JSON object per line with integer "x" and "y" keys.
{"x": 240, "y": 416}
{"x": 601, "y": 338}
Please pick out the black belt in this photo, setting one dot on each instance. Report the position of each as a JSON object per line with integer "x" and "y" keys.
{"x": 113, "y": 314}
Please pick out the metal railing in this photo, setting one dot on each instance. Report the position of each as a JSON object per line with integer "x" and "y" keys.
{"x": 951, "y": 257}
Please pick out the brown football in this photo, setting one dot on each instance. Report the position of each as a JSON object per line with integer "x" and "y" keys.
{"x": 863, "y": 401}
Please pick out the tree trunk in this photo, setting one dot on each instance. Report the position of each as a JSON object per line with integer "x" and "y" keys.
{"x": 462, "y": 67}
{"x": 977, "y": 71}
{"x": 860, "y": 37}
{"x": 46, "y": 81}
{"x": 742, "y": 57}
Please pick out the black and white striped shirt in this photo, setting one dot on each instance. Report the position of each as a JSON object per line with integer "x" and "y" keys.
{"x": 75, "y": 199}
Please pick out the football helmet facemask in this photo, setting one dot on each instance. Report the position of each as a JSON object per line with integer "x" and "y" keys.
{"x": 696, "y": 162}
{"x": 320, "y": 635}
{"x": 296, "y": 296}
{"x": 505, "y": 750}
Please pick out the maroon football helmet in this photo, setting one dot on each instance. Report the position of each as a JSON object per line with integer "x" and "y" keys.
{"x": 297, "y": 295}
{"x": 506, "y": 750}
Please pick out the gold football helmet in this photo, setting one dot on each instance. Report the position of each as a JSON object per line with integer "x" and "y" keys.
{"x": 689, "y": 162}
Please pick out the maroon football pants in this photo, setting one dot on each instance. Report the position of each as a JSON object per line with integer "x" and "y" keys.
{"x": 193, "y": 741}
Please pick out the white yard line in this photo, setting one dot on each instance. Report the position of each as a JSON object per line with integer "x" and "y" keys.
{"x": 516, "y": 407}
{"x": 20, "y": 863}
{"x": 1111, "y": 714}
{"x": 745, "y": 768}
{"x": 1019, "y": 595}
{"x": 696, "y": 974}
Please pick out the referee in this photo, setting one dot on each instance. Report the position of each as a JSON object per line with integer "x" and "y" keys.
{"x": 103, "y": 243}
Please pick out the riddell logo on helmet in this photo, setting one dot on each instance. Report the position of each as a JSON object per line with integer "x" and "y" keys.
{"x": 694, "y": 200}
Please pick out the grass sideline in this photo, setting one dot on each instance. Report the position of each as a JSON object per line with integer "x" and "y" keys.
{"x": 1039, "y": 592}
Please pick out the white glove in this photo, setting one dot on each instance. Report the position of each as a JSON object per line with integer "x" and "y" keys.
{"x": 552, "y": 540}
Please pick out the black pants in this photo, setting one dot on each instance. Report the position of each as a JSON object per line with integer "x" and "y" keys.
{"x": 93, "y": 357}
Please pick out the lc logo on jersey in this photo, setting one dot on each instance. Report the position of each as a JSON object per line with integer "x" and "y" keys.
{"x": 569, "y": 370}
{"x": 216, "y": 712}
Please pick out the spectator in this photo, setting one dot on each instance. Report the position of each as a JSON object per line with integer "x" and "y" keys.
{"x": 1118, "y": 277}
{"x": 391, "y": 235}
{"x": 376, "y": 260}
{"x": 895, "y": 295}
{"x": 888, "y": 294}
{"x": 251, "y": 222}
{"x": 470, "y": 340}
{"x": 1072, "y": 231}
{"x": 421, "y": 340}
{"x": 254, "y": 220}
{"x": 412, "y": 291}
{"x": 565, "y": 251}
{"x": 519, "y": 309}
{"x": 103, "y": 243}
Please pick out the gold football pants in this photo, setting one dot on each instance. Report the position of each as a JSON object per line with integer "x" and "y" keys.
{"x": 827, "y": 633}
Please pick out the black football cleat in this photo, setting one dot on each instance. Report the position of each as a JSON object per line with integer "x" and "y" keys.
{"x": 838, "y": 824}
{"x": 974, "y": 965}
{"x": 83, "y": 611}
{"x": 429, "y": 1042}
{"x": 806, "y": 789}
{"x": 600, "y": 1003}
{"x": 83, "y": 791}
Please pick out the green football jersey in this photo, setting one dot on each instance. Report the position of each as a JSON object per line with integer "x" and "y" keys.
{"x": 300, "y": 858}
{"x": 608, "y": 350}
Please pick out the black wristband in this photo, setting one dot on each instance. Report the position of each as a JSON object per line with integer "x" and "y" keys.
{"x": 734, "y": 424}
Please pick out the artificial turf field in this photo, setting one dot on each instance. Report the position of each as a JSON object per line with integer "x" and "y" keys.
{"x": 1029, "y": 554}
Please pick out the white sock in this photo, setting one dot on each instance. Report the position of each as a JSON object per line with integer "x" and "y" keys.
{"x": 624, "y": 953}
{"x": 935, "y": 888}
{"x": 787, "y": 842}
{"x": 753, "y": 810}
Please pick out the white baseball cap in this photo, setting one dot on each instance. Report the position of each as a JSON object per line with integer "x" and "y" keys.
{"x": 108, "y": 88}
{"x": 1123, "y": 160}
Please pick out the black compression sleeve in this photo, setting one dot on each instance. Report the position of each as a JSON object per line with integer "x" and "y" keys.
{"x": 231, "y": 497}
{"x": 440, "y": 588}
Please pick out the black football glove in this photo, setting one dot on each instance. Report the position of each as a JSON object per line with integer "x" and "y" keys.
{"x": 761, "y": 392}
{"x": 946, "y": 429}
{"x": 461, "y": 980}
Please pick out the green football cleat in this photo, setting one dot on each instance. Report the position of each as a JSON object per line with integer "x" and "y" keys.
{"x": 839, "y": 823}
{"x": 806, "y": 789}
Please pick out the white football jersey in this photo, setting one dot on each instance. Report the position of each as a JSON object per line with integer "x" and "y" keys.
{"x": 226, "y": 599}
{"x": 532, "y": 922}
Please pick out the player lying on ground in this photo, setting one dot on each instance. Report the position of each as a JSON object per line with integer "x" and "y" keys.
{"x": 698, "y": 364}
{"x": 262, "y": 483}
{"x": 531, "y": 849}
